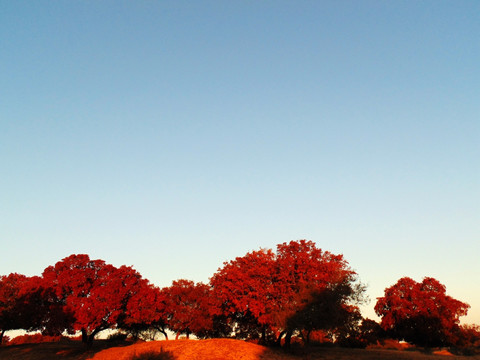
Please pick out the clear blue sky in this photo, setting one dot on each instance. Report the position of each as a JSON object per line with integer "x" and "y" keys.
{"x": 175, "y": 135}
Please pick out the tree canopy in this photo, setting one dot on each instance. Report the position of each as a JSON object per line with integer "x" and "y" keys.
{"x": 10, "y": 290}
{"x": 277, "y": 293}
{"x": 95, "y": 293}
{"x": 268, "y": 295}
{"x": 420, "y": 312}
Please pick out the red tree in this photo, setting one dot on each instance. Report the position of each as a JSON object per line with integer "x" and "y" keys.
{"x": 95, "y": 293}
{"x": 318, "y": 281}
{"x": 420, "y": 312}
{"x": 146, "y": 310}
{"x": 245, "y": 290}
{"x": 39, "y": 309}
{"x": 189, "y": 308}
{"x": 10, "y": 288}
{"x": 269, "y": 292}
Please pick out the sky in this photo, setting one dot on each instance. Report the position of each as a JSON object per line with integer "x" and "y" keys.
{"x": 176, "y": 135}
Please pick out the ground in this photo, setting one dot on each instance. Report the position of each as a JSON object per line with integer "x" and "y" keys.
{"x": 215, "y": 349}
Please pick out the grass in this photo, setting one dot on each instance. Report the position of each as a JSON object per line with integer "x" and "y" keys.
{"x": 64, "y": 349}
{"x": 154, "y": 355}
{"x": 213, "y": 349}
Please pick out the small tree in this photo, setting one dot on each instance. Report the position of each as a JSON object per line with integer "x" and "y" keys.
{"x": 420, "y": 312}
{"x": 189, "y": 308}
{"x": 146, "y": 312}
{"x": 371, "y": 332}
{"x": 469, "y": 336}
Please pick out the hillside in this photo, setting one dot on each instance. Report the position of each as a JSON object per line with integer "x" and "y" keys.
{"x": 214, "y": 349}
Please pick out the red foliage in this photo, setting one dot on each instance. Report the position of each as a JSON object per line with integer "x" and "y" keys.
{"x": 266, "y": 292}
{"x": 469, "y": 336}
{"x": 11, "y": 287}
{"x": 189, "y": 308}
{"x": 303, "y": 270}
{"x": 146, "y": 309}
{"x": 95, "y": 293}
{"x": 33, "y": 339}
{"x": 420, "y": 312}
{"x": 245, "y": 286}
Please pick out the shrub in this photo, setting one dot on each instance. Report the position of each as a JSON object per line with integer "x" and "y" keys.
{"x": 117, "y": 337}
{"x": 5, "y": 340}
{"x": 154, "y": 355}
{"x": 33, "y": 339}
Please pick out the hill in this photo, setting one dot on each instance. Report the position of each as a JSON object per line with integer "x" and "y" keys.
{"x": 214, "y": 349}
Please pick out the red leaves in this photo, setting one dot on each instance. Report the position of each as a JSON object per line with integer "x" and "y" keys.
{"x": 410, "y": 308}
{"x": 11, "y": 286}
{"x": 189, "y": 307}
{"x": 95, "y": 293}
{"x": 263, "y": 294}
{"x": 146, "y": 306}
{"x": 246, "y": 284}
{"x": 272, "y": 287}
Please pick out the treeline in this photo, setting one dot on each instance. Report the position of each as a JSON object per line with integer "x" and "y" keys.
{"x": 270, "y": 296}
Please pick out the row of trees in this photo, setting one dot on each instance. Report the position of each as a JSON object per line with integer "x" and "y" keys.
{"x": 268, "y": 295}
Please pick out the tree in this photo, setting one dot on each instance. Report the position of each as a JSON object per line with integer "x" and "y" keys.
{"x": 189, "y": 308}
{"x": 94, "y": 293}
{"x": 245, "y": 290}
{"x": 469, "y": 336}
{"x": 287, "y": 291}
{"x": 371, "y": 332}
{"x": 328, "y": 310}
{"x": 10, "y": 288}
{"x": 146, "y": 311}
{"x": 310, "y": 279}
{"x": 39, "y": 309}
{"x": 420, "y": 312}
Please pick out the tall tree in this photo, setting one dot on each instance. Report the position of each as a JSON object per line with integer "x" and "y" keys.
{"x": 309, "y": 278}
{"x": 420, "y": 312}
{"x": 278, "y": 292}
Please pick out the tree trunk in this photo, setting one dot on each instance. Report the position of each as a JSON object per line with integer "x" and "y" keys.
{"x": 279, "y": 339}
{"x": 84, "y": 336}
{"x": 288, "y": 337}
{"x": 178, "y": 335}
{"x": 164, "y": 334}
{"x": 263, "y": 337}
{"x": 1, "y": 336}
{"x": 92, "y": 335}
{"x": 90, "y": 339}
{"x": 87, "y": 339}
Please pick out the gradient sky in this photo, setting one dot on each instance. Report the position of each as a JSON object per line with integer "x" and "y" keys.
{"x": 176, "y": 135}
